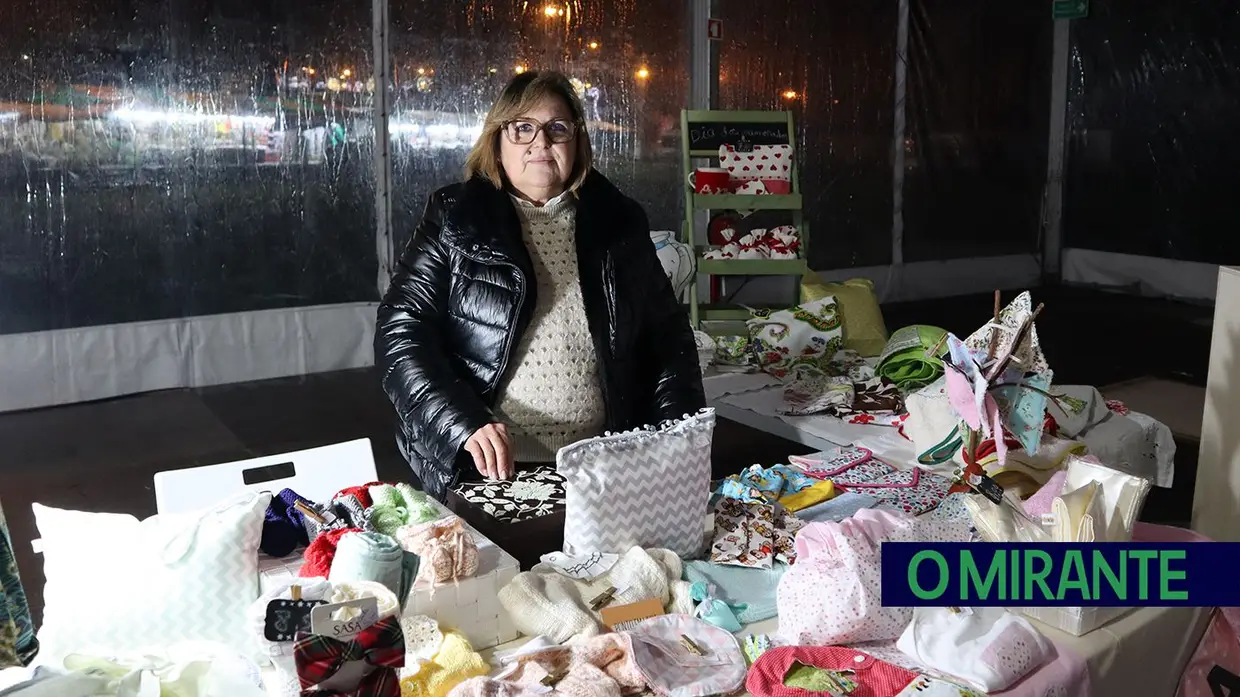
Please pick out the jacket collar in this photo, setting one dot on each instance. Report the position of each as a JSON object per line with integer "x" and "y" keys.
{"x": 483, "y": 222}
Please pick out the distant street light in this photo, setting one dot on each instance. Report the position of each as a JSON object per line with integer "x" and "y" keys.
{"x": 520, "y": 69}
{"x": 643, "y": 73}
{"x": 553, "y": 11}
{"x": 790, "y": 95}
{"x": 593, "y": 45}
{"x": 347, "y": 73}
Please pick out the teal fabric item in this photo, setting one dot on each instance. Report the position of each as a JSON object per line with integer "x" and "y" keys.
{"x": 711, "y": 609}
{"x": 370, "y": 556}
{"x": 739, "y": 585}
{"x": 18, "y": 645}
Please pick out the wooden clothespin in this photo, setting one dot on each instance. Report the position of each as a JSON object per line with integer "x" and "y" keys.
{"x": 310, "y": 513}
{"x": 691, "y": 646}
{"x": 294, "y": 592}
{"x": 603, "y": 599}
{"x": 553, "y": 678}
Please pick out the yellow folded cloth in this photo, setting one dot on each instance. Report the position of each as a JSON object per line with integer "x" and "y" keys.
{"x": 809, "y": 496}
{"x": 455, "y": 663}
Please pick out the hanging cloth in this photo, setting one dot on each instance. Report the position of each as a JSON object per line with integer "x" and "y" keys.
{"x": 18, "y": 645}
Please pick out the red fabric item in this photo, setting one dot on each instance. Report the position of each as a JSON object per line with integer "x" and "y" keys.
{"x": 1050, "y": 425}
{"x": 381, "y": 645}
{"x": 320, "y": 553}
{"x": 874, "y": 678}
{"x": 362, "y": 493}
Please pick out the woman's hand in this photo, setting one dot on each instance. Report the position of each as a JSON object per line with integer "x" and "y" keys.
{"x": 490, "y": 448}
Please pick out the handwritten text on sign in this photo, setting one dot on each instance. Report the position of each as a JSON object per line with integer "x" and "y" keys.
{"x": 709, "y": 136}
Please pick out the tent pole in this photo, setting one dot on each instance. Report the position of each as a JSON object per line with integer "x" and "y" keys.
{"x": 898, "y": 137}
{"x": 1052, "y": 214}
{"x": 382, "y": 71}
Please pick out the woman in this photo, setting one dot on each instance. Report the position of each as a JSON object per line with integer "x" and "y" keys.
{"x": 529, "y": 310}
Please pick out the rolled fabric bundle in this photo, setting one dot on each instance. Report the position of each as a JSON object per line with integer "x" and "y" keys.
{"x": 369, "y": 556}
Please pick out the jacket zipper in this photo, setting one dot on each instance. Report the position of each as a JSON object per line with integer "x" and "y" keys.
{"x": 506, "y": 358}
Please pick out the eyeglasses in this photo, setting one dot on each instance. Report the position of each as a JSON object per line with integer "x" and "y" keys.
{"x": 524, "y": 131}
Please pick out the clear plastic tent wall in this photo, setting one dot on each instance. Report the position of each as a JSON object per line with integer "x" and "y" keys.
{"x": 1152, "y": 147}
{"x": 189, "y": 189}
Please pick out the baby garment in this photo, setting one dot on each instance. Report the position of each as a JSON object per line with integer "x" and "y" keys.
{"x": 870, "y": 676}
{"x": 754, "y": 589}
{"x": 832, "y": 595}
{"x": 814, "y": 494}
{"x": 864, "y": 471}
{"x": 757, "y": 484}
{"x": 913, "y": 491}
{"x": 951, "y": 510}
{"x": 455, "y": 663}
{"x": 531, "y": 493}
{"x": 685, "y": 657}
{"x": 989, "y": 648}
{"x": 814, "y": 393}
{"x": 600, "y": 666}
{"x": 756, "y": 535}
{"x": 834, "y": 460}
{"x": 841, "y": 507}
{"x": 545, "y": 602}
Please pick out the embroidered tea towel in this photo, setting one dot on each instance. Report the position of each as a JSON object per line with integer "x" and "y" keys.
{"x": 673, "y": 668}
{"x": 645, "y": 488}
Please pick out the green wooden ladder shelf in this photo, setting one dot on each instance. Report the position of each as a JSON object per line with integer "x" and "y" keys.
{"x": 695, "y": 203}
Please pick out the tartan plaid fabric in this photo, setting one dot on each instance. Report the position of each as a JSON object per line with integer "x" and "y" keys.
{"x": 382, "y": 645}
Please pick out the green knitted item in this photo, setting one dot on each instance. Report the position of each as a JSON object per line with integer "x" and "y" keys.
{"x": 394, "y": 506}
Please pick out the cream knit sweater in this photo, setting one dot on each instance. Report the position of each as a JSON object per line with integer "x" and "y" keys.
{"x": 552, "y": 397}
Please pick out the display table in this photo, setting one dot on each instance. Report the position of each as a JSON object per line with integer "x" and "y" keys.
{"x": 1142, "y": 653}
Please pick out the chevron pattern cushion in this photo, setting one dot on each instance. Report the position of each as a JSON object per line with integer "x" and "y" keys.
{"x": 118, "y": 585}
{"x": 645, "y": 488}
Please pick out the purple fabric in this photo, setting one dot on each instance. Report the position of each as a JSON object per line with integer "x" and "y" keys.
{"x": 283, "y": 526}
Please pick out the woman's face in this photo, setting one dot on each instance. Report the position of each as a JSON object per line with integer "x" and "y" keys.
{"x": 539, "y": 169}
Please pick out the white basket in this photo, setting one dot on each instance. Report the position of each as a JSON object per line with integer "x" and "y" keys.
{"x": 1077, "y": 621}
{"x": 471, "y": 605}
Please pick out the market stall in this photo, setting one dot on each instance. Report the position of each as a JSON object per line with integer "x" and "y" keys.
{"x": 298, "y": 574}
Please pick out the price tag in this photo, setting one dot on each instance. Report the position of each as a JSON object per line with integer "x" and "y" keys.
{"x": 343, "y": 621}
{"x": 287, "y": 618}
{"x": 988, "y": 488}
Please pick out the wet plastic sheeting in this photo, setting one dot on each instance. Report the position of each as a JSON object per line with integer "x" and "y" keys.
{"x": 1153, "y": 139}
{"x": 832, "y": 63}
{"x": 977, "y": 124}
{"x": 169, "y": 159}
{"x": 628, "y": 58}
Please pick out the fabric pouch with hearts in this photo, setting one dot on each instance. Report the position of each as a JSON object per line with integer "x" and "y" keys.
{"x": 769, "y": 164}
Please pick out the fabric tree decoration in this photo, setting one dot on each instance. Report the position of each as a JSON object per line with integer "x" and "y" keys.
{"x": 998, "y": 382}
{"x": 18, "y": 645}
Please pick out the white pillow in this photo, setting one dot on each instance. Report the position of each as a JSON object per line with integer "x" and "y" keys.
{"x": 118, "y": 585}
{"x": 647, "y": 488}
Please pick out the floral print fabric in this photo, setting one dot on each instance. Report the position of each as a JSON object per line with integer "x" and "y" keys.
{"x": 754, "y": 535}
{"x": 17, "y": 642}
{"x": 531, "y": 494}
{"x": 803, "y": 335}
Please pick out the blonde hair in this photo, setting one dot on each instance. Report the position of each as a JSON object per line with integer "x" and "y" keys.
{"x": 523, "y": 93}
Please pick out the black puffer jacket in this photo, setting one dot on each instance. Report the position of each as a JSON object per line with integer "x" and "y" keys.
{"x": 463, "y": 295}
